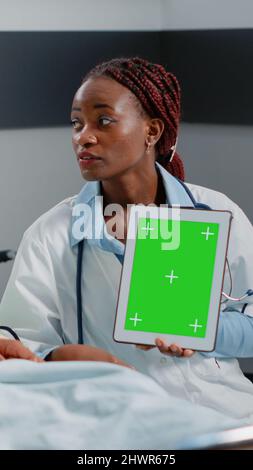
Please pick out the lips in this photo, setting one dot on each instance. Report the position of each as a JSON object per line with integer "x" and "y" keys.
{"x": 87, "y": 156}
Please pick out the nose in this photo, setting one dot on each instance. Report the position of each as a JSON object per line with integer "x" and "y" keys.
{"x": 84, "y": 137}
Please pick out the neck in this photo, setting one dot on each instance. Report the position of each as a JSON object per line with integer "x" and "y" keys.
{"x": 135, "y": 187}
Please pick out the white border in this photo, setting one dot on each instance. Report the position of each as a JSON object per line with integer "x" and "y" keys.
{"x": 223, "y": 218}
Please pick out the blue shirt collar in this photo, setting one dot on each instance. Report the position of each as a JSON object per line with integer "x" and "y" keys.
{"x": 88, "y": 192}
{"x": 176, "y": 195}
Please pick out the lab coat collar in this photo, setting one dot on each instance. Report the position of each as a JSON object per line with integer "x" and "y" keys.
{"x": 88, "y": 192}
{"x": 176, "y": 195}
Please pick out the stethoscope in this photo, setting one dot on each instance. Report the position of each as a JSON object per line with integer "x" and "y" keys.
{"x": 197, "y": 205}
{"x": 11, "y": 331}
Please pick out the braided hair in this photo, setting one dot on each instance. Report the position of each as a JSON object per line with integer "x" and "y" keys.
{"x": 158, "y": 94}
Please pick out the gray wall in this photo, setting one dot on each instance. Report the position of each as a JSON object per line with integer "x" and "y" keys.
{"x": 206, "y": 14}
{"x": 80, "y": 15}
{"x": 38, "y": 169}
{"x": 220, "y": 157}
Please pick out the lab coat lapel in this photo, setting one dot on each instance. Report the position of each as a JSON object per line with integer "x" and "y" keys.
{"x": 174, "y": 190}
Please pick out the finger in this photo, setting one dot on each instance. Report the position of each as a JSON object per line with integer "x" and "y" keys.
{"x": 172, "y": 350}
{"x": 16, "y": 350}
{"x": 117, "y": 361}
{"x": 2, "y": 358}
{"x": 163, "y": 347}
{"x": 188, "y": 352}
{"x": 160, "y": 343}
{"x": 37, "y": 359}
{"x": 126, "y": 365}
{"x": 21, "y": 352}
{"x": 176, "y": 350}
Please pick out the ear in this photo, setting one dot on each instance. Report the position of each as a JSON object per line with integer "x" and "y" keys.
{"x": 155, "y": 129}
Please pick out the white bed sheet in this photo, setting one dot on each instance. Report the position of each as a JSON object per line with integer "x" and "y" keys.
{"x": 94, "y": 405}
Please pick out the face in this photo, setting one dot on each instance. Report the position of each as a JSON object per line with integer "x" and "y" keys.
{"x": 109, "y": 132}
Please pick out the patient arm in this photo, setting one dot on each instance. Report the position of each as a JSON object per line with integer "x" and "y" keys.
{"x": 83, "y": 352}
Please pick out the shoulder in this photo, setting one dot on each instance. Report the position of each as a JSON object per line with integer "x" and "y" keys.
{"x": 220, "y": 201}
{"x": 215, "y": 199}
{"x": 56, "y": 222}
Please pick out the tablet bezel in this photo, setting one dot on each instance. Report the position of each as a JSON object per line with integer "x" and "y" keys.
{"x": 223, "y": 218}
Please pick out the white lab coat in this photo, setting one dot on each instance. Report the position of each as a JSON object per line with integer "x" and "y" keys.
{"x": 40, "y": 304}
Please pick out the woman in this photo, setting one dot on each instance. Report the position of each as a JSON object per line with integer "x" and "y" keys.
{"x": 125, "y": 119}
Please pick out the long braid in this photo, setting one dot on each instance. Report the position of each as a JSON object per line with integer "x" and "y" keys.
{"x": 159, "y": 94}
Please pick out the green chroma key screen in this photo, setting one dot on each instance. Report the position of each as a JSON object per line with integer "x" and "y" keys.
{"x": 170, "y": 288}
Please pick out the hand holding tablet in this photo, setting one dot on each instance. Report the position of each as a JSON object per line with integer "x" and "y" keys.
{"x": 169, "y": 349}
{"x": 172, "y": 277}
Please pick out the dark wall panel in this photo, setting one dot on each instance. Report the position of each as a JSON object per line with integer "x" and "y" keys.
{"x": 215, "y": 69}
{"x": 40, "y": 71}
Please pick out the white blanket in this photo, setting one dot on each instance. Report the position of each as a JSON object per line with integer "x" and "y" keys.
{"x": 94, "y": 405}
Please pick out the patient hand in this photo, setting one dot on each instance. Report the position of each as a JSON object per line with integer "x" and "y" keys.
{"x": 83, "y": 352}
{"x": 170, "y": 350}
{"x": 13, "y": 349}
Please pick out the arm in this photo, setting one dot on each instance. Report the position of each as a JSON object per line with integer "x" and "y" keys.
{"x": 235, "y": 336}
{"x": 29, "y": 305}
{"x": 83, "y": 352}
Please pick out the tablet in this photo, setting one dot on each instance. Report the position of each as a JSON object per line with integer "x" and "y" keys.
{"x": 172, "y": 276}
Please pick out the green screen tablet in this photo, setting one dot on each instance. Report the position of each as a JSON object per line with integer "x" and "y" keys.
{"x": 172, "y": 276}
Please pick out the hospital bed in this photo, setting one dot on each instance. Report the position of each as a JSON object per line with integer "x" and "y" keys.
{"x": 240, "y": 438}
{"x": 7, "y": 255}
{"x": 233, "y": 439}
{"x": 95, "y": 405}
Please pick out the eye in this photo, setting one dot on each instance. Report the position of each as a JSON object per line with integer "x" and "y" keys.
{"x": 104, "y": 121}
{"x": 75, "y": 124}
